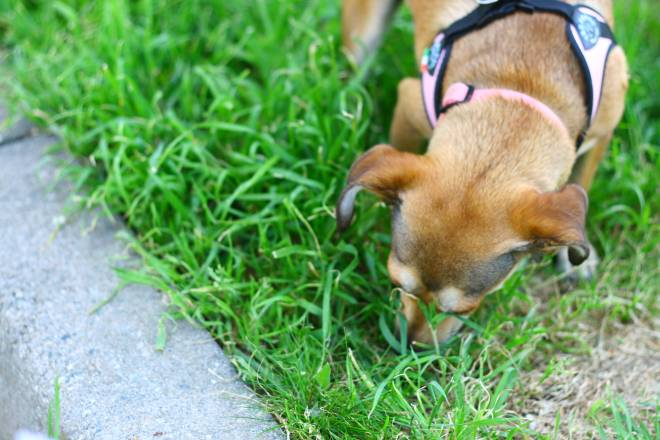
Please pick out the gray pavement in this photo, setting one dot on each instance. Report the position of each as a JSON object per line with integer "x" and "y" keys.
{"x": 114, "y": 384}
{"x": 14, "y": 129}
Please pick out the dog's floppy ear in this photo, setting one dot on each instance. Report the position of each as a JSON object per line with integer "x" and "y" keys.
{"x": 384, "y": 171}
{"x": 554, "y": 219}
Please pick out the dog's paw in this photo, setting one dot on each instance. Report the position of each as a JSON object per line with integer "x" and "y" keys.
{"x": 572, "y": 275}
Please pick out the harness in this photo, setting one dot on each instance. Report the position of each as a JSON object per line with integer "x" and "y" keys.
{"x": 588, "y": 33}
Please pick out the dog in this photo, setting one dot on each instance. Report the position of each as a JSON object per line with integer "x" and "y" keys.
{"x": 501, "y": 177}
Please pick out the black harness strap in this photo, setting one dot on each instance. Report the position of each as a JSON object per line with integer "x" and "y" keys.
{"x": 487, "y": 13}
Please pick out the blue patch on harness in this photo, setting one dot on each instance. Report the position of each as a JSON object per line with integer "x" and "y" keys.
{"x": 588, "y": 28}
{"x": 434, "y": 56}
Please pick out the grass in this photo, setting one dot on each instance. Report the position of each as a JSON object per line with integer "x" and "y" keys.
{"x": 54, "y": 413}
{"x": 221, "y": 133}
{"x": 625, "y": 426}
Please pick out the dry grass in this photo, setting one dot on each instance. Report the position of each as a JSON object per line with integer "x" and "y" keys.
{"x": 625, "y": 364}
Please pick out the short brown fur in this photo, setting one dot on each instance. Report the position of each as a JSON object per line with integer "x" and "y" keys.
{"x": 489, "y": 187}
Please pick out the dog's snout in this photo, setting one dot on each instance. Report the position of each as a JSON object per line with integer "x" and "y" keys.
{"x": 403, "y": 276}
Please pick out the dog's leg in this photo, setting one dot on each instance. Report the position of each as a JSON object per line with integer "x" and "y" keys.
{"x": 586, "y": 165}
{"x": 583, "y": 174}
{"x": 409, "y": 125}
{"x": 363, "y": 24}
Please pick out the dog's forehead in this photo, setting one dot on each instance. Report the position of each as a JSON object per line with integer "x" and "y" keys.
{"x": 464, "y": 221}
{"x": 420, "y": 232}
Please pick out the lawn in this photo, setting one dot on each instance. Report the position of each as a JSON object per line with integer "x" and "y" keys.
{"x": 221, "y": 133}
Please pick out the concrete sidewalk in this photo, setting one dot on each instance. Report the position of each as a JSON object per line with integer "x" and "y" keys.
{"x": 114, "y": 384}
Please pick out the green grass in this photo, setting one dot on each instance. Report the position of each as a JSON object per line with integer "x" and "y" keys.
{"x": 54, "y": 412}
{"x": 624, "y": 426}
{"x": 221, "y": 132}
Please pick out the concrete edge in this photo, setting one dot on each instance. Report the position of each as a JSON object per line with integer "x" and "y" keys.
{"x": 114, "y": 384}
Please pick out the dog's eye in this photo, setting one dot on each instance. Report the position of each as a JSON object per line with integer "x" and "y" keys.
{"x": 504, "y": 262}
{"x": 488, "y": 274}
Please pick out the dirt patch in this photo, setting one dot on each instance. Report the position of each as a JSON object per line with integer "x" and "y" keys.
{"x": 625, "y": 364}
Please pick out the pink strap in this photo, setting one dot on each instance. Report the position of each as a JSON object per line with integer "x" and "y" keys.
{"x": 432, "y": 63}
{"x": 458, "y": 92}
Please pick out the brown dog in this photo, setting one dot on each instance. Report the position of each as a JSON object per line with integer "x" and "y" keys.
{"x": 492, "y": 185}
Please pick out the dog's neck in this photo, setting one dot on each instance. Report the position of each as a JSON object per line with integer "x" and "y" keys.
{"x": 501, "y": 143}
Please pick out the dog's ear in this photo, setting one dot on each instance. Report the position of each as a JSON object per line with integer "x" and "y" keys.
{"x": 384, "y": 171}
{"x": 554, "y": 219}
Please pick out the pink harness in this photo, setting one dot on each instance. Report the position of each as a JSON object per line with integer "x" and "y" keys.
{"x": 587, "y": 31}
{"x": 458, "y": 93}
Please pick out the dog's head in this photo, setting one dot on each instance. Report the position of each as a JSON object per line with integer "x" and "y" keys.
{"x": 455, "y": 240}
